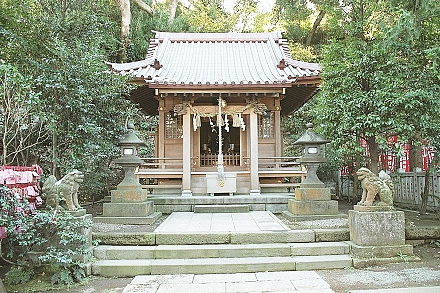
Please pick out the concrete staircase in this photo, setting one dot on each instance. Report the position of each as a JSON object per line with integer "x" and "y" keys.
{"x": 235, "y": 253}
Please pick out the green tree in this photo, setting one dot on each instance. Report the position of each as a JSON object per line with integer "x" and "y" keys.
{"x": 209, "y": 16}
{"x": 61, "y": 46}
{"x": 378, "y": 78}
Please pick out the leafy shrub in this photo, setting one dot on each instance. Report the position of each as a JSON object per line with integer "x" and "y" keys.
{"x": 18, "y": 275}
{"x": 37, "y": 239}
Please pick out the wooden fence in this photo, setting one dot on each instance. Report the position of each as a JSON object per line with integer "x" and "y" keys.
{"x": 407, "y": 189}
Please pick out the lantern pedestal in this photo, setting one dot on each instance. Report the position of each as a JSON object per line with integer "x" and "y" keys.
{"x": 311, "y": 204}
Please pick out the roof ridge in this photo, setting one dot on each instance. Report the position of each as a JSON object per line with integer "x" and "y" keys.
{"x": 230, "y": 36}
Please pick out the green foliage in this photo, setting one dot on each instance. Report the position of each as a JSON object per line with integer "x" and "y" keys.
{"x": 143, "y": 25}
{"x": 18, "y": 275}
{"x": 209, "y": 16}
{"x": 20, "y": 127}
{"x": 59, "y": 48}
{"x": 37, "y": 238}
{"x": 376, "y": 79}
{"x": 302, "y": 53}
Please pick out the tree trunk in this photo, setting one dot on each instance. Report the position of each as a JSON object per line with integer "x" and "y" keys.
{"x": 172, "y": 10}
{"x": 374, "y": 154}
{"x": 315, "y": 27}
{"x": 124, "y": 7}
{"x": 425, "y": 193}
{"x": 355, "y": 178}
{"x": 415, "y": 155}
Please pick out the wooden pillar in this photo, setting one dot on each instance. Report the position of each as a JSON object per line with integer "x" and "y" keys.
{"x": 186, "y": 179}
{"x": 253, "y": 129}
{"x": 161, "y": 128}
{"x": 277, "y": 129}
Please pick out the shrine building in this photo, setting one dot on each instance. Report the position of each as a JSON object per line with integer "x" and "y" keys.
{"x": 219, "y": 98}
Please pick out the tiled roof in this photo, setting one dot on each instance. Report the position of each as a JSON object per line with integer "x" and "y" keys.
{"x": 207, "y": 60}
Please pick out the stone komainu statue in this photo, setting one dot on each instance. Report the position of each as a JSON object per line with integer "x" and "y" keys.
{"x": 63, "y": 194}
{"x": 373, "y": 185}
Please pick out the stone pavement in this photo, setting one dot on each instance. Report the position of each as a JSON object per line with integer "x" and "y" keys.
{"x": 292, "y": 281}
{"x": 255, "y": 221}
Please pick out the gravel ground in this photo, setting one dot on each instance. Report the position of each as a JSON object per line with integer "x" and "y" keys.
{"x": 399, "y": 275}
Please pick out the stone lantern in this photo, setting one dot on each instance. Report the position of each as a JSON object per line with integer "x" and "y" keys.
{"x": 311, "y": 158}
{"x": 129, "y": 160}
{"x": 129, "y": 203}
{"x": 312, "y": 200}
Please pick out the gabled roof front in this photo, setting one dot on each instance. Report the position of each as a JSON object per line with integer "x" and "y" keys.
{"x": 221, "y": 61}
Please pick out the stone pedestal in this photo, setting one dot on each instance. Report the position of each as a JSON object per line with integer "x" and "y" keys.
{"x": 378, "y": 232}
{"x": 313, "y": 203}
{"x": 128, "y": 206}
{"x": 129, "y": 195}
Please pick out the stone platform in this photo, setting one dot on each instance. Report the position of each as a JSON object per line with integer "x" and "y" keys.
{"x": 304, "y": 281}
{"x": 185, "y": 222}
{"x": 207, "y": 243}
{"x": 168, "y": 204}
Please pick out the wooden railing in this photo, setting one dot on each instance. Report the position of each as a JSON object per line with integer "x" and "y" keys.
{"x": 229, "y": 159}
{"x": 161, "y": 163}
{"x": 278, "y": 163}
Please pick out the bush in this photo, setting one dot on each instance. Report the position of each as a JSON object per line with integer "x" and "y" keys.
{"x": 39, "y": 239}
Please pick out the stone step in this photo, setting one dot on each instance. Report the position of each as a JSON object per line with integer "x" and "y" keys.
{"x": 220, "y": 251}
{"x": 129, "y": 220}
{"x": 155, "y": 238}
{"x": 130, "y": 268}
{"x": 225, "y": 208}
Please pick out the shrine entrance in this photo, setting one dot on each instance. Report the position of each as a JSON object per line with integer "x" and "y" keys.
{"x": 209, "y": 144}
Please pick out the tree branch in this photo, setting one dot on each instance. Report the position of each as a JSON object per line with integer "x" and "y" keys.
{"x": 142, "y": 5}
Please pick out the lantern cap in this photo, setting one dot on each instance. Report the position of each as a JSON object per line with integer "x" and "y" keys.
{"x": 311, "y": 137}
{"x": 131, "y": 138}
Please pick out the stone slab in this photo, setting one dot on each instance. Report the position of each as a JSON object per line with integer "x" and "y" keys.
{"x": 230, "y": 208}
{"x": 312, "y": 194}
{"x": 276, "y": 207}
{"x": 133, "y": 209}
{"x": 150, "y": 219}
{"x": 377, "y": 228}
{"x": 124, "y": 252}
{"x": 305, "y": 263}
{"x": 223, "y": 265}
{"x": 254, "y": 221}
{"x": 376, "y": 208}
{"x": 313, "y": 207}
{"x": 221, "y": 251}
{"x": 274, "y": 237}
{"x": 121, "y": 268}
{"x": 298, "y": 218}
{"x": 381, "y": 251}
{"x": 359, "y": 263}
{"x": 192, "y": 238}
{"x": 129, "y": 195}
{"x": 341, "y": 234}
{"x": 125, "y": 238}
{"x": 422, "y": 232}
{"x": 319, "y": 248}
{"x": 168, "y": 209}
{"x": 280, "y": 281}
